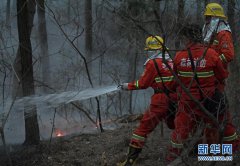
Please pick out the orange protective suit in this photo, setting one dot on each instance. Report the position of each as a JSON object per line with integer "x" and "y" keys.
{"x": 158, "y": 109}
{"x": 222, "y": 43}
{"x": 210, "y": 72}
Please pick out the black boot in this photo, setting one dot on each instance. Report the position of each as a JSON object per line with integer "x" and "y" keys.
{"x": 131, "y": 156}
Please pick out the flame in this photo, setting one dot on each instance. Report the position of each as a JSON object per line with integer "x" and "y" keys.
{"x": 59, "y": 133}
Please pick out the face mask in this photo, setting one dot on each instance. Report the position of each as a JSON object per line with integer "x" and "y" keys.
{"x": 151, "y": 53}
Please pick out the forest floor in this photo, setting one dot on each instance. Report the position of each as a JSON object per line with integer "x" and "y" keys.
{"x": 99, "y": 149}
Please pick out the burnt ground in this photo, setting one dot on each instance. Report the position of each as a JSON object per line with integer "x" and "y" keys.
{"x": 100, "y": 149}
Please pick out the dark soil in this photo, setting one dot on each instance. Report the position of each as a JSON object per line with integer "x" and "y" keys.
{"x": 101, "y": 149}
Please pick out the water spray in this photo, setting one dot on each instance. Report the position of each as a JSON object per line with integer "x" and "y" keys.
{"x": 58, "y": 99}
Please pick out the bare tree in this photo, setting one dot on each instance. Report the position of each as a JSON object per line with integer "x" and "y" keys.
{"x": 8, "y": 12}
{"x": 206, "y": 2}
{"x": 231, "y": 17}
{"x": 135, "y": 11}
{"x": 181, "y": 4}
{"x": 43, "y": 40}
{"x": 198, "y": 14}
{"x": 14, "y": 7}
{"x": 156, "y": 15}
{"x": 69, "y": 9}
{"x": 180, "y": 18}
{"x": 88, "y": 28}
{"x": 17, "y": 62}
{"x": 27, "y": 81}
{"x": 234, "y": 67}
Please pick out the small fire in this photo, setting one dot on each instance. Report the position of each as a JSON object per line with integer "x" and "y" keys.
{"x": 59, "y": 133}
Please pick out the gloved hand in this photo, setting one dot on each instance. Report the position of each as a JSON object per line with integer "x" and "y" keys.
{"x": 123, "y": 86}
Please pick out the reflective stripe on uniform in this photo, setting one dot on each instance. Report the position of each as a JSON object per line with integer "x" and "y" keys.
{"x": 223, "y": 58}
{"x": 139, "y": 138}
{"x": 230, "y": 138}
{"x": 136, "y": 84}
{"x": 134, "y": 146}
{"x": 164, "y": 79}
{"x": 176, "y": 145}
{"x": 199, "y": 74}
{"x": 215, "y": 42}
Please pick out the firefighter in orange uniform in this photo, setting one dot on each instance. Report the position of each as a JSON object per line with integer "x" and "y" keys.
{"x": 200, "y": 72}
{"x": 157, "y": 76}
{"x": 217, "y": 34}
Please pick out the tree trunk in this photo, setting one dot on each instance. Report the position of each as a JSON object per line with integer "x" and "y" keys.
{"x": 8, "y": 12}
{"x": 27, "y": 82}
{"x": 14, "y": 7}
{"x": 42, "y": 32}
{"x": 234, "y": 79}
{"x": 206, "y": 2}
{"x": 88, "y": 29}
{"x": 180, "y": 18}
{"x": 157, "y": 6}
{"x": 198, "y": 14}
{"x": 132, "y": 68}
{"x": 17, "y": 91}
{"x": 231, "y": 17}
{"x": 68, "y": 9}
{"x": 135, "y": 12}
{"x": 157, "y": 11}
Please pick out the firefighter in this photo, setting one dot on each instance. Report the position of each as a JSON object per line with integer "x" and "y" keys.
{"x": 217, "y": 35}
{"x": 157, "y": 76}
{"x": 217, "y": 32}
{"x": 200, "y": 70}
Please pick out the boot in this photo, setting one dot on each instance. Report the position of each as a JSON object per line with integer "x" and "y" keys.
{"x": 131, "y": 156}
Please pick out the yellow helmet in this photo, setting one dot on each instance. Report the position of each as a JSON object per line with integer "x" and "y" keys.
{"x": 154, "y": 43}
{"x": 214, "y": 9}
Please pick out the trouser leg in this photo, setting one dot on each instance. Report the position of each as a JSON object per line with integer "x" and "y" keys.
{"x": 150, "y": 120}
{"x": 229, "y": 136}
{"x": 184, "y": 125}
{"x": 148, "y": 123}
